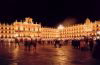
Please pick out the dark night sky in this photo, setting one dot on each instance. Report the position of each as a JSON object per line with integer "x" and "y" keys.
{"x": 49, "y": 12}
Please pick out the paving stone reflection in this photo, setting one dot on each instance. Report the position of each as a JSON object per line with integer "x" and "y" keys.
{"x": 45, "y": 55}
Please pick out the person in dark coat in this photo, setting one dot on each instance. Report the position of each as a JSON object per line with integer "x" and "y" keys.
{"x": 60, "y": 43}
{"x": 26, "y": 44}
{"x": 65, "y": 42}
{"x": 78, "y": 43}
{"x": 57, "y": 42}
{"x": 73, "y": 43}
{"x": 16, "y": 42}
{"x": 34, "y": 43}
{"x": 91, "y": 44}
{"x": 96, "y": 51}
{"x": 40, "y": 41}
{"x": 29, "y": 45}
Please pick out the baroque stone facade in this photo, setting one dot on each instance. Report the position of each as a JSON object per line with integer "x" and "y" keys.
{"x": 28, "y": 29}
{"x": 88, "y": 29}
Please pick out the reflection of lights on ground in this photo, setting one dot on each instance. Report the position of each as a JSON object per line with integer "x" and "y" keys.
{"x": 14, "y": 64}
{"x": 15, "y": 53}
{"x": 60, "y": 57}
{"x": 60, "y": 51}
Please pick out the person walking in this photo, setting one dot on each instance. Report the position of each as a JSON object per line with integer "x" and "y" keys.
{"x": 91, "y": 44}
{"x": 56, "y": 43}
{"x": 82, "y": 44}
{"x": 26, "y": 44}
{"x": 29, "y": 44}
{"x": 96, "y": 50}
{"x": 66, "y": 42}
{"x": 78, "y": 44}
{"x": 34, "y": 43}
{"x": 73, "y": 43}
{"x": 60, "y": 43}
{"x": 16, "y": 42}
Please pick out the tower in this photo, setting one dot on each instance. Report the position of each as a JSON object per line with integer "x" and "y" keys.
{"x": 87, "y": 21}
{"x": 28, "y": 20}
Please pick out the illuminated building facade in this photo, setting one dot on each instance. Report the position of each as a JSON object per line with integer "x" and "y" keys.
{"x": 79, "y": 31}
{"x": 49, "y": 33}
{"x": 28, "y": 29}
{"x": 6, "y": 32}
{"x": 20, "y": 30}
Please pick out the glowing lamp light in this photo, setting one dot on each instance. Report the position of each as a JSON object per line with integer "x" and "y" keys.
{"x": 98, "y": 37}
{"x": 16, "y": 35}
{"x": 98, "y": 32}
{"x": 60, "y": 27}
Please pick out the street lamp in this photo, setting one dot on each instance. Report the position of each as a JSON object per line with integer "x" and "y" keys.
{"x": 98, "y": 32}
{"x": 98, "y": 35}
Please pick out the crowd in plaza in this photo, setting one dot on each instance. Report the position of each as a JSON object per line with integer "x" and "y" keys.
{"x": 81, "y": 44}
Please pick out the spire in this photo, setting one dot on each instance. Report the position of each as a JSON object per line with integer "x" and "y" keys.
{"x": 15, "y": 20}
{"x": 28, "y": 19}
{"x": 87, "y": 21}
{"x": 40, "y": 23}
{"x": 36, "y": 22}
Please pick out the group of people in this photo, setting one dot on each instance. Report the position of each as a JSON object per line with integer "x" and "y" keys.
{"x": 76, "y": 43}
{"x": 33, "y": 43}
{"x": 96, "y": 51}
{"x": 28, "y": 43}
{"x": 92, "y": 45}
{"x": 83, "y": 44}
{"x": 58, "y": 43}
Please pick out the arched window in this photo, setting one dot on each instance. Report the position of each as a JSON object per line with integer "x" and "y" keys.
{"x": 6, "y": 28}
{"x": 5, "y": 31}
{"x": 1, "y": 31}
{"x": 1, "y": 36}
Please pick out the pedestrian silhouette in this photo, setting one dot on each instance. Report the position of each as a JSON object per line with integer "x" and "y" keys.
{"x": 91, "y": 44}
{"x": 34, "y": 43}
{"x": 26, "y": 44}
{"x": 16, "y": 42}
{"x": 57, "y": 43}
{"x": 96, "y": 51}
